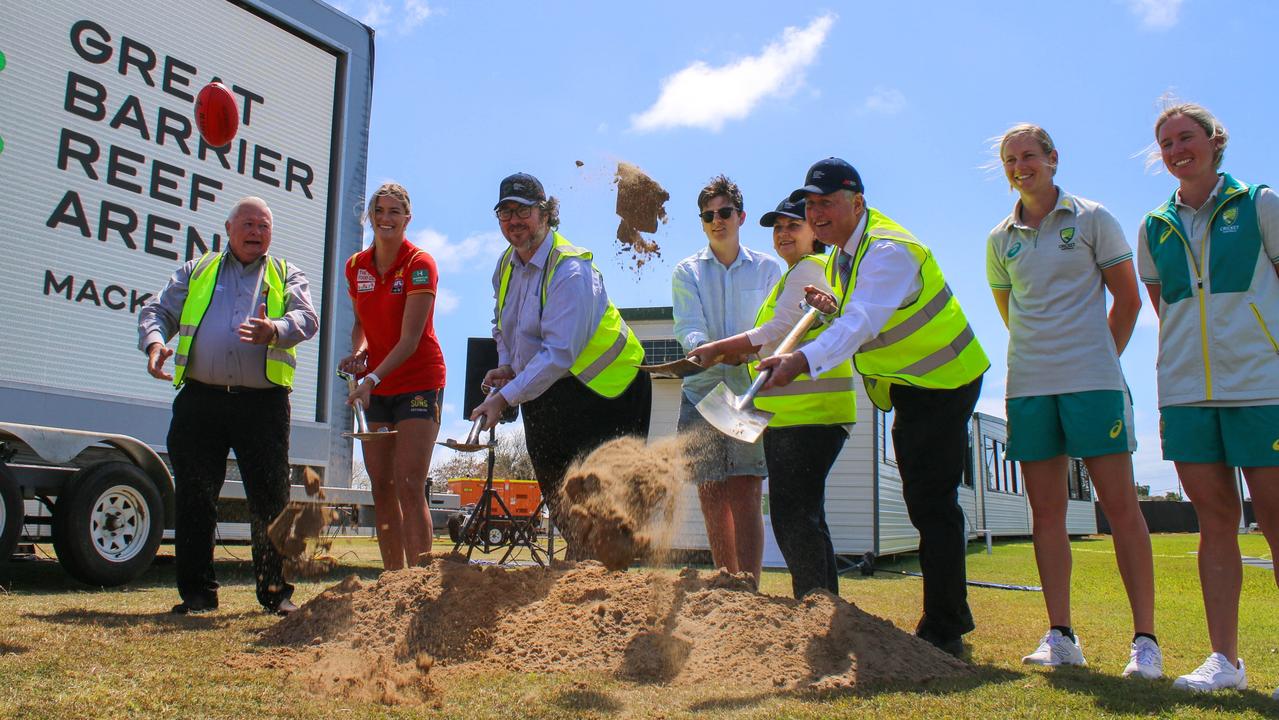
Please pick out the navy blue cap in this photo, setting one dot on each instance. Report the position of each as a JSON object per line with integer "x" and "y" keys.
{"x": 522, "y": 188}
{"x": 827, "y": 176}
{"x": 785, "y": 207}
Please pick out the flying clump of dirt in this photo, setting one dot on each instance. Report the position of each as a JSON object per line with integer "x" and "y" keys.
{"x": 298, "y": 532}
{"x": 641, "y": 205}
{"x": 622, "y": 499}
{"x": 407, "y": 637}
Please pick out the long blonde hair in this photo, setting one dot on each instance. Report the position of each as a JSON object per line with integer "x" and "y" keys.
{"x": 1204, "y": 119}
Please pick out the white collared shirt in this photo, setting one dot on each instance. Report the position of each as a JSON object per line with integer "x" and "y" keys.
{"x": 887, "y": 276}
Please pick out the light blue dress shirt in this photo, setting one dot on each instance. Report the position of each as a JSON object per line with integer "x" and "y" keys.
{"x": 711, "y": 302}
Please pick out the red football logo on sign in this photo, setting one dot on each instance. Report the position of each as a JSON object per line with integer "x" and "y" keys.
{"x": 216, "y": 114}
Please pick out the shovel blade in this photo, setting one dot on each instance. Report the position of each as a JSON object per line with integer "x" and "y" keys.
{"x": 720, "y": 409}
{"x": 463, "y": 446}
{"x": 369, "y": 435}
{"x": 681, "y": 368}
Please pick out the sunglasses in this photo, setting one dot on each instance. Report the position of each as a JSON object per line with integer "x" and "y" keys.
{"x": 724, "y": 214}
{"x": 505, "y": 213}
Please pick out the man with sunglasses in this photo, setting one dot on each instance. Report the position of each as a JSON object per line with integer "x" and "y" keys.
{"x": 717, "y": 292}
{"x": 909, "y": 339}
{"x": 564, "y": 353}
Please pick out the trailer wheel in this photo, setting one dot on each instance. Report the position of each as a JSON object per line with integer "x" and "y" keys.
{"x": 495, "y": 533}
{"x": 108, "y": 525}
{"x": 11, "y": 514}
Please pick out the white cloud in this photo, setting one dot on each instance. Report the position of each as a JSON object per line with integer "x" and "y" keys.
{"x": 477, "y": 251}
{"x": 445, "y": 301}
{"x": 702, "y": 96}
{"x": 885, "y": 101}
{"x": 1156, "y": 14}
{"x": 384, "y": 17}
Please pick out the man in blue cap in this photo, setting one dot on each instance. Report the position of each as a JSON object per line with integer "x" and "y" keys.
{"x": 912, "y": 344}
{"x": 564, "y": 353}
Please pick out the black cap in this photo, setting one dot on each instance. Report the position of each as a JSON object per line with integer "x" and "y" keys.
{"x": 785, "y": 207}
{"x": 827, "y": 176}
{"x": 522, "y": 188}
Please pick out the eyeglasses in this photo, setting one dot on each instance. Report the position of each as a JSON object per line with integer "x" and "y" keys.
{"x": 724, "y": 214}
{"x": 520, "y": 211}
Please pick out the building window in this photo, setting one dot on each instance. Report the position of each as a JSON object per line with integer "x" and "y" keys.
{"x": 884, "y": 426}
{"x": 1001, "y": 473}
{"x": 1079, "y": 482}
{"x": 657, "y": 352}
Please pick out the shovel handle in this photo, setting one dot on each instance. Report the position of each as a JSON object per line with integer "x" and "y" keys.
{"x": 361, "y": 424}
{"x": 788, "y": 344}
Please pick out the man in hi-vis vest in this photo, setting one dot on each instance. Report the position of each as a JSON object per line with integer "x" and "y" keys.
{"x": 909, "y": 339}
{"x": 564, "y": 353}
{"x": 238, "y": 315}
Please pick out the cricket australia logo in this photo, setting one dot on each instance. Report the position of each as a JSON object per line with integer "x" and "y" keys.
{"x": 1067, "y": 239}
{"x": 1228, "y": 218}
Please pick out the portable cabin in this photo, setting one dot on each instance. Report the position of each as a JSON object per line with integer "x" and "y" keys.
{"x": 865, "y": 509}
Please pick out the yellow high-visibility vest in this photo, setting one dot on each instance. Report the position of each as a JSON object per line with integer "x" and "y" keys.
{"x": 612, "y": 355}
{"x": 927, "y": 342}
{"x": 828, "y": 399}
{"x": 280, "y": 362}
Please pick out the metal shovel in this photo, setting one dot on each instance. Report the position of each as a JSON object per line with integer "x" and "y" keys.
{"x": 472, "y": 442}
{"x": 361, "y": 424}
{"x": 680, "y": 368}
{"x": 737, "y": 417}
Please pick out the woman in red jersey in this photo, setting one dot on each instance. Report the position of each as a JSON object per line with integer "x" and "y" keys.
{"x": 392, "y": 285}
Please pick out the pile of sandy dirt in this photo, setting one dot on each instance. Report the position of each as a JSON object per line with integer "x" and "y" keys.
{"x": 621, "y": 500}
{"x": 398, "y": 639}
{"x": 641, "y": 204}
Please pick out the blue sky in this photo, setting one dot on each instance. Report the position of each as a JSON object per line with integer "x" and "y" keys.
{"x": 910, "y": 93}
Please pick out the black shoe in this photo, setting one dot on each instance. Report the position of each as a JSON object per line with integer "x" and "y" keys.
{"x": 953, "y": 646}
{"x": 194, "y": 607}
{"x": 284, "y": 608}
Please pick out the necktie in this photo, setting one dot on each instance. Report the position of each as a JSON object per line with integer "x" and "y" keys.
{"x": 845, "y": 267}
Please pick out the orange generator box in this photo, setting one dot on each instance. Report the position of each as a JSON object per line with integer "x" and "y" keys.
{"x": 521, "y": 496}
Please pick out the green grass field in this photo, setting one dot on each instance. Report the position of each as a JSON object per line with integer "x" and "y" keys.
{"x": 70, "y": 652}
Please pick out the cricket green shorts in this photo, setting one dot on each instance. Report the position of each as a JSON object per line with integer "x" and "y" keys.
{"x": 1080, "y": 424}
{"x": 1238, "y": 436}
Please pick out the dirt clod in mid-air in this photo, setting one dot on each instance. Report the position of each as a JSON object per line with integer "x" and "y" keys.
{"x": 641, "y": 205}
{"x": 621, "y": 499}
{"x": 403, "y": 637}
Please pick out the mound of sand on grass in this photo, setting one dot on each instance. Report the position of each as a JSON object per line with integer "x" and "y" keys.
{"x": 396, "y": 639}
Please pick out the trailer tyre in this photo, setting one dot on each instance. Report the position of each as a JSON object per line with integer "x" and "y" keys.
{"x": 11, "y": 514}
{"x": 455, "y": 524}
{"x": 495, "y": 533}
{"x": 107, "y": 527}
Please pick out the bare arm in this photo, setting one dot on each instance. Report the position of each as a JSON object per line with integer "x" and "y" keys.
{"x": 1153, "y": 290}
{"x": 1121, "y": 281}
{"x": 1001, "y": 302}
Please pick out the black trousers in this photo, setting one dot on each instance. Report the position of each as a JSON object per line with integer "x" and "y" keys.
{"x": 570, "y": 420}
{"x": 930, "y": 436}
{"x": 799, "y": 458}
{"x": 208, "y": 422}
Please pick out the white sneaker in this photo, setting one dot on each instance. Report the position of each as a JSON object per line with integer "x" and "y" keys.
{"x": 1146, "y": 660}
{"x": 1056, "y": 649}
{"x": 1215, "y": 674}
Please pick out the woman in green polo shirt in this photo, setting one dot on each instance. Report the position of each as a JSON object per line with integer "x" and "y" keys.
{"x": 1208, "y": 256}
{"x": 1049, "y": 264}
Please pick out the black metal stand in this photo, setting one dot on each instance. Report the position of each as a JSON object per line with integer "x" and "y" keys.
{"x": 491, "y": 529}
